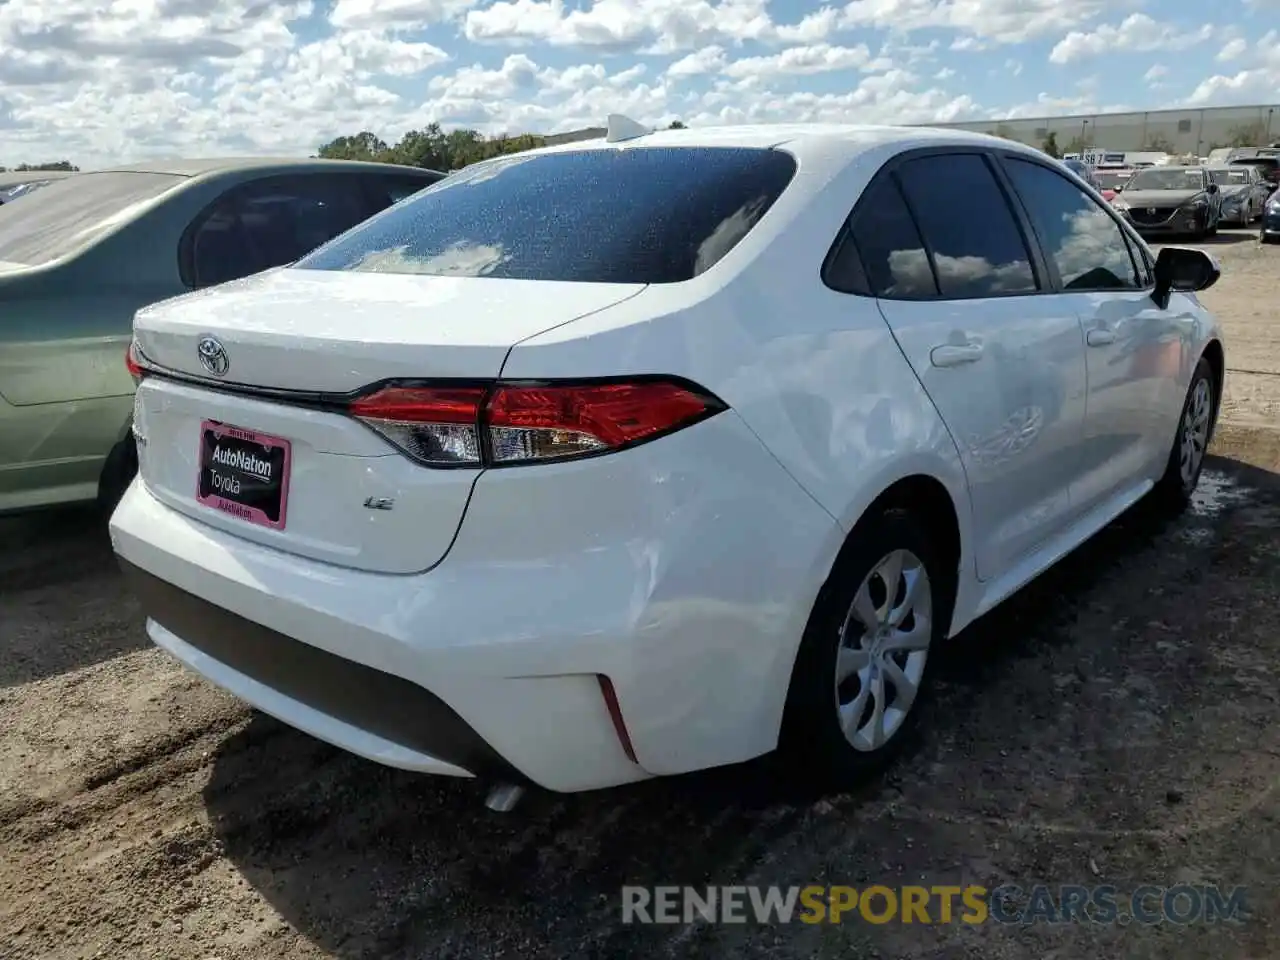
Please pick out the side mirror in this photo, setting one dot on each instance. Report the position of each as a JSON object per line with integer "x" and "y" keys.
{"x": 1184, "y": 270}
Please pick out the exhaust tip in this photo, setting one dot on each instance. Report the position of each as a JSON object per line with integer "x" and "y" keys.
{"x": 504, "y": 797}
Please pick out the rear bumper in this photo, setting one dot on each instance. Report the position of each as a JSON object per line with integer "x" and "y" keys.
{"x": 490, "y": 664}
{"x": 382, "y": 716}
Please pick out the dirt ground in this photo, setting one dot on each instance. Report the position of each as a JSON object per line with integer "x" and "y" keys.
{"x": 1117, "y": 723}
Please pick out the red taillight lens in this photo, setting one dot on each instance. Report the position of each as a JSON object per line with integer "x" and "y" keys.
{"x": 549, "y": 422}
{"x": 514, "y": 423}
{"x": 435, "y": 425}
{"x": 133, "y": 365}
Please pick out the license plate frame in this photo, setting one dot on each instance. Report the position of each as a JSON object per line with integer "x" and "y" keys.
{"x": 231, "y": 462}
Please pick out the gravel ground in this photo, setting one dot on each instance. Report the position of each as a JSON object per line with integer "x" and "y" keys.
{"x": 1116, "y": 723}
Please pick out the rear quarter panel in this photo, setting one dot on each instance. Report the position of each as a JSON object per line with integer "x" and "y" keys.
{"x": 815, "y": 374}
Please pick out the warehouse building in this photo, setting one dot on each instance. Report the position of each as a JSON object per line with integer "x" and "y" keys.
{"x": 1168, "y": 131}
{"x": 1194, "y": 131}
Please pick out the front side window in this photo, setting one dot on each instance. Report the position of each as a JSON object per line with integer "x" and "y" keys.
{"x": 1086, "y": 245}
{"x": 966, "y": 224}
{"x": 631, "y": 215}
{"x": 74, "y": 212}
{"x": 268, "y": 223}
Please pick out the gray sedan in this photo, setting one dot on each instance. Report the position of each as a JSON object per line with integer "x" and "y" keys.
{"x": 1244, "y": 193}
{"x": 77, "y": 261}
{"x": 1171, "y": 200}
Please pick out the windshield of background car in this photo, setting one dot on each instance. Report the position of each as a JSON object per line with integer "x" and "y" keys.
{"x": 11, "y": 193}
{"x": 634, "y": 215}
{"x": 1155, "y": 178}
{"x": 1228, "y": 177}
{"x": 70, "y": 214}
{"x": 1109, "y": 180}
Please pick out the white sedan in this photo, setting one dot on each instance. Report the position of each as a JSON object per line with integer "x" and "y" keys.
{"x": 655, "y": 453}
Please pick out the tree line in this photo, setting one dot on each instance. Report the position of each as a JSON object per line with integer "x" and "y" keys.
{"x": 55, "y": 165}
{"x": 433, "y": 148}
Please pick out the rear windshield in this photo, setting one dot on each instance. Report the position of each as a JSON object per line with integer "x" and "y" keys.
{"x": 72, "y": 213}
{"x": 639, "y": 215}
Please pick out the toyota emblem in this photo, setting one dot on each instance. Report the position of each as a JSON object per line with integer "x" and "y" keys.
{"x": 213, "y": 356}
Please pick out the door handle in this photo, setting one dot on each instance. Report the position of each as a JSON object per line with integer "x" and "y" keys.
{"x": 1100, "y": 337}
{"x": 954, "y": 354}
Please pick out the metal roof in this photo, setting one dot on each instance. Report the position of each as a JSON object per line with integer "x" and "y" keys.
{"x": 200, "y": 167}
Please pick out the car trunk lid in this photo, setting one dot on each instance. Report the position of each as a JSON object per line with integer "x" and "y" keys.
{"x": 265, "y": 449}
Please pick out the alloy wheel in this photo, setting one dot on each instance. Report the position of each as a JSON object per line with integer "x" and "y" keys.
{"x": 884, "y": 644}
{"x": 1194, "y": 435}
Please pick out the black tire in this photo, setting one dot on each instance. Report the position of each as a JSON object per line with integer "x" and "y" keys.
{"x": 813, "y": 744}
{"x": 1174, "y": 488}
{"x": 118, "y": 472}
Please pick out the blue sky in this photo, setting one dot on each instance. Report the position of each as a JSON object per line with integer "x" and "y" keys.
{"x": 111, "y": 80}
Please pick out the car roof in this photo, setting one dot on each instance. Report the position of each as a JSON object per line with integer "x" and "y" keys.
{"x": 215, "y": 165}
{"x": 799, "y": 138}
{"x": 12, "y": 178}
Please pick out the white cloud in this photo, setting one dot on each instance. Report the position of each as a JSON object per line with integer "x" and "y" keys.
{"x": 820, "y": 58}
{"x": 707, "y": 60}
{"x": 664, "y": 26}
{"x": 1000, "y": 21}
{"x": 1136, "y": 33}
{"x": 1232, "y": 49}
{"x": 380, "y": 14}
{"x": 100, "y": 81}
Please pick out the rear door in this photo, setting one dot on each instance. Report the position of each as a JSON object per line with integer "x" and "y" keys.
{"x": 1003, "y": 361}
{"x": 1134, "y": 349}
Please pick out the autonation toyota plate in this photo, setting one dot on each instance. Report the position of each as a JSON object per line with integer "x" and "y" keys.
{"x": 244, "y": 473}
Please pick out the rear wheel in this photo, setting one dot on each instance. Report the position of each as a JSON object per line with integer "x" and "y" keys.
{"x": 863, "y": 668}
{"x": 1190, "y": 443}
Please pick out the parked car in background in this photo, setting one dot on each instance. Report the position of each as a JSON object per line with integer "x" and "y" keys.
{"x": 625, "y": 459}
{"x": 1268, "y": 166}
{"x": 1269, "y": 229}
{"x": 19, "y": 183}
{"x": 1244, "y": 192}
{"x": 1110, "y": 180}
{"x": 76, "y": 264}
{"x": 1171, "y": 200}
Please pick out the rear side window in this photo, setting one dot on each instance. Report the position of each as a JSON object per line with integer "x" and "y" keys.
{"x": 74, "y": 212}
{"x": 977, "y": 248}
{"x": 635, "y": 215}
{"x": 267, "y": 223}
{"x": 893, "y": 255}
{"x": 395, "y": 189}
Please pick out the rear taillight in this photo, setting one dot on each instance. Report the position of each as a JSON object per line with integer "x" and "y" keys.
{"x": 133, "y": 363}
{"x": 506, "y": 424}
